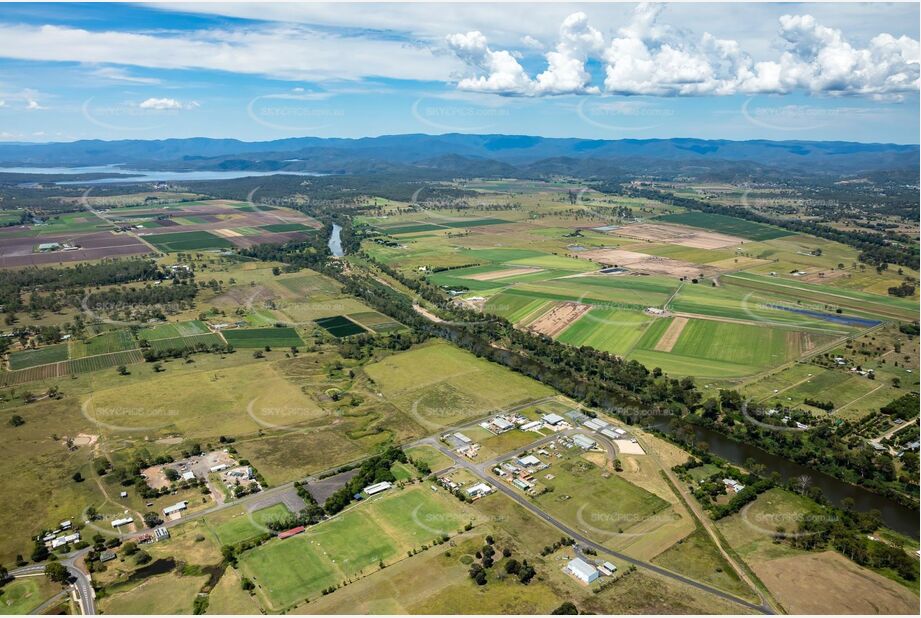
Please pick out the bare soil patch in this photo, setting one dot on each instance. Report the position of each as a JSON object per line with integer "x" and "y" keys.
{"x": 226, "y": 233}
{"x": 829, "y": 583}
{"x": 670, "y": 336}
{"x": 558, "y": 319}
{"x": 651, "y": 264}
{"x": 678, "y": 235}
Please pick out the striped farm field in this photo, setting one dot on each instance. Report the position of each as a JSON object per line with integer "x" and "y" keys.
{"x": 185, "y": 343}
{"x": 106, "y": 343}
{"x": 736, "y": 343}
{"x": 42, "y": 356}
{"x": 378, "y": 322}
{"x": 260, "y": 337}
{"x": 609, "y": 330}
{"x": 513, "y": 307}
{"x": 71, "y": 367}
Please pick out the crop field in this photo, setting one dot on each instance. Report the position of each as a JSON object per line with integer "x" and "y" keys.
{"x": 260, "y": 337}
{"x": 102, "y": 361}
{"x": 726, "y": 225}
{"x": 439, "y": 224}
{"x": 187, "y": 241}
{"x": 106, "y": 343}
{"x": 610, "y": 330}
{"x": 376, "y": 321}
{"x": 173, "y": 330}
{"x": 340, "y": 326}
{"x": 41, "y": 356}
{"x": 183, "y": 343}
{"x": 287, "y": 227}
{"x": 292, "y": 570}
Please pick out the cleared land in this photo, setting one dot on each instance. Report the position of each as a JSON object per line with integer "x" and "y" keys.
{"x": 559, "y": 318}
{"x": 671, "y": 335}
{"x": 644, "y": 263}
{"x": 677, "y": 235}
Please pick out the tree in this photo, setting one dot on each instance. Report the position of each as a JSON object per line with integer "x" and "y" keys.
{"x": 78, "y": 478}
{"x": 39, "y": 552}
{"x": 566, "y": 609}
{"x": 130, "y": 548}
{"x": 151, "y": 519}
{"x": 122, "y": 370}
{"x": 56, "y": 572}
{"x": 17, "y": 421}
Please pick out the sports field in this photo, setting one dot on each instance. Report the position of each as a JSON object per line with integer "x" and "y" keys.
{"x": 351, "y": 544}
{"x": 260, "y": 337}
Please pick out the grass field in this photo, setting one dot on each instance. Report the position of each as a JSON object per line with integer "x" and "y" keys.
{"x": 23, "y": 595}
{"x": 697, "y": 557}
{"x": 287, "y": 227}
{"x": 182, "y": 343}
{"x": 173, "y": 330}
{"x": 340, "y": 326}
{"x": 41, "y": 356}
{"x": 610, "y": 330}
{"x": 726, "y": 225}
{"x": 187, "y": 241}
{"x": 376, "y": 321}
{"x": 259, "y": 337}
{"x": 438, "y": 384}
{"x": 164, "y": 594}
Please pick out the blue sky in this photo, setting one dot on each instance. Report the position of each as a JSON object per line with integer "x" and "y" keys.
{"x": 267, "y": 71}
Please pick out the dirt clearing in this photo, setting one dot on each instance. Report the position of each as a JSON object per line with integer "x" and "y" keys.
{"x": 559, "y": 318}
{"x": 829, "y": 583}
{"x": 670, "y": 336}
{"x": 678, "y": 235}
{"x": 651, "y": 264}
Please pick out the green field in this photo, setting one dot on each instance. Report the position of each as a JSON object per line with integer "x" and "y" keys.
{"x": 411, "y": 228}
{"x": 726, "y": 225}
{"x": 610, "y": 330}
{"x": 287, "y": 227}
{"x": 260, "y": 337}
{"x": 185, "y": 343}
{"x": 106, "y": 343}
{"x": 41, "y": 356}
{"x": 173, "y": 330}
{"x": 378, "y": 322}
{"x": 187, "y": 241}
{"x": 350, "y": 545}
{"x": 340, "y": 326}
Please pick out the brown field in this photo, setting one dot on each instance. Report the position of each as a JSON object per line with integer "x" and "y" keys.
{"x": 642, "y": 262}
{"x": 670, "y": 336}
{"x": 829, "y": 583}
{"x": 18, "y": 252}
{"x": 678, "y": 235}
{"x": 501, "y": 274}
{"x": 227, "y": 233}
{"x": 558, "y": 319}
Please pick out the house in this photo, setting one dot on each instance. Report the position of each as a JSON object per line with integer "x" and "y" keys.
{"x": 161, "y": 533}
{"x": 552, "y": 419}
{"x": 65, "y": 540}
{"x": 176, "y": 508}
{"x": 65, "y": 525}
{"x": 378, "y": 488}
{"x": 121, "y": 522}
{"x": 218, "y": 468}
{"x": 187, "y": 476}
{"x": 583, "y": 442}
{"x": 733, "y": 485}
{"x": 582, "y": 570}
{"x": 479, "y": 490}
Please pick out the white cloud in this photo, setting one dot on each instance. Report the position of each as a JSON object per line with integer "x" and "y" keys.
{"x": 166, "y": 104}
{"x": 530, "y": 42}
{"x": 280, "y": 51}
{"x": 121, "y": 75}
{"x": 33, "y": 104}
{"x": 649, "y": 58}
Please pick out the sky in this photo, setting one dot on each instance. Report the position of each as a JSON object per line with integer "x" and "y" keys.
{"x": 262, "y": 71}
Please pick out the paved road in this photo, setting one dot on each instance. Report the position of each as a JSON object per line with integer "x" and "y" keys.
{"x": 80, "y": 580}
{"x": 587, "y": 542}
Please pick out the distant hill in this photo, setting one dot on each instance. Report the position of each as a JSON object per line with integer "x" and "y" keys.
{"x": 489, "y": 155}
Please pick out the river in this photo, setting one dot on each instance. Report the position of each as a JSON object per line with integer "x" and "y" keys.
{"x": 899, "y": 518}
{"x": 335, "y": 242}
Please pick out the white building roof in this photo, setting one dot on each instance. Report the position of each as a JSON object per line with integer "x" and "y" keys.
{"x": 121, "y": 522}
{"x": 529, "y": 460}
{"x": 479, "y": 488}
{"x": 378, "y": 488}
{"x": 582, "y": 569}
{"x": 531, "y": 425}
{"x": 595, "y": 424}
{"x": 583, "y": 441}
{"x": 501, "y": 423}
{"x": 462, "y": 438}
{"x": 609, "y": 434}
{"x": 553, "y": 419}
{"x": 179, "y": 506}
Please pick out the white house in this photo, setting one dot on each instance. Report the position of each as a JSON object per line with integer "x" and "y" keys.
{"x": 479, "y": 490}
{"x": 175, "y": 508}
{"x": 121, "y": 522}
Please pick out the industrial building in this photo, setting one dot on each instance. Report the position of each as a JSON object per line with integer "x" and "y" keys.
{"x": 582, "y": 570}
